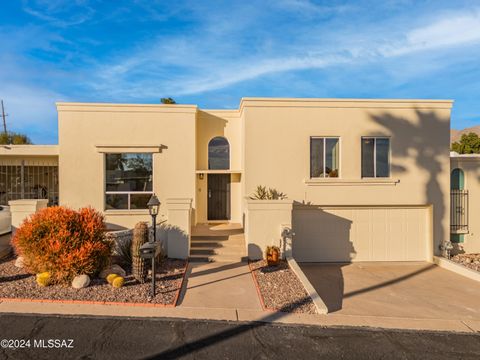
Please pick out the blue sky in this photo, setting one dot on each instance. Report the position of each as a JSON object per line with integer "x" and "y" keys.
{"x": 212, "y": 53}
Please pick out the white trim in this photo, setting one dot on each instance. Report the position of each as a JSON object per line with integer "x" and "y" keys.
{"x": 129, "y": 193}
{"x": 324, "y": 156}
{"x": 375, "y": 156}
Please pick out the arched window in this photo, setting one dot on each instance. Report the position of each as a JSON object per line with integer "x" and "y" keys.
{"x": 218, "y": 154}
{"x": 457, "y": 181}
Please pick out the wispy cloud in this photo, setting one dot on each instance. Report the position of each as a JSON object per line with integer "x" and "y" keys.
{"x": 204, "y": 67}
{"x": 452, "y": 31}
{"x": 61, "y": 13}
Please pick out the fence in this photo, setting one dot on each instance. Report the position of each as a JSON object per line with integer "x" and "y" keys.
{"x": 458, "y": 211}
{"x": 28, "y": 179}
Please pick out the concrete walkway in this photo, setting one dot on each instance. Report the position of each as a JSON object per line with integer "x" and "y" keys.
{"x": 183, "y": 312}
{"x": 219, "y": 285}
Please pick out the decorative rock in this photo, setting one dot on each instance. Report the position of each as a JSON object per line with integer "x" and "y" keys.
{"x": 19, "y": 262}
{"x": 114, "y": 269}
{"x": 80, "y": 281}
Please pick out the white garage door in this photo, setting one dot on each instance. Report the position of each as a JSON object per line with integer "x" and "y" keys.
{"x": 360, "y": 234}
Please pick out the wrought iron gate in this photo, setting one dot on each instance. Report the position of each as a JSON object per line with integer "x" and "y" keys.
{"x": 28, "y": 179}
{"x": 459, "y": 211}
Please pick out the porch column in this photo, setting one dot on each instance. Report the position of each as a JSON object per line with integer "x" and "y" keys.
{"x": 22, "y": 209}
{"x": 179, "y": 213}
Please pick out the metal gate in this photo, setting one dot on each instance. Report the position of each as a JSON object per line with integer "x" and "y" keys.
{"x": 28, "y": 179}
{"x": 459, "y": 211}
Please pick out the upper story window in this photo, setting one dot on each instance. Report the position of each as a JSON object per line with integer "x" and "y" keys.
{"x": 324, "y": 157}
{"x": 218, "y": 154}
{"x": 128, "y": 181}
{"x": 457, "y": 179}
{"x": 375, "y": 157}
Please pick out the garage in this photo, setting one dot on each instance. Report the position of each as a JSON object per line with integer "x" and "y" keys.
{"x": 349, "y": 234}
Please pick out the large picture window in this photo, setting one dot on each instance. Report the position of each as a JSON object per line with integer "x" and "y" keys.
{"x": 324, "y": 157}
{"x": 128, "y": 181}
{"x": 375, "y": 157}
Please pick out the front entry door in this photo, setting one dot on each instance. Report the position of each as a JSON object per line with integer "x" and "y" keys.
{"x": 218, "y": 196}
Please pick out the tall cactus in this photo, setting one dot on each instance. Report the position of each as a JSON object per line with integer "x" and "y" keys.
{"x": 140, "y": 237}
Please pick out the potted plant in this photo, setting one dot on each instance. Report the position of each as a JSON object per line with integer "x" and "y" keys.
{"x": 272, "y": 254}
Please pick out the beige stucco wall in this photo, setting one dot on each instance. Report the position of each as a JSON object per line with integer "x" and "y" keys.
{"x": 470, "y": 164}
{"x": 228, "y": 124}
{"x": 277, "y": 135}
{"x": 269, "y": 145}
{"x": 86, "y": 131}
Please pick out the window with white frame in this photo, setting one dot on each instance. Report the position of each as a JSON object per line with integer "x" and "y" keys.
{"x": 128, "y": 181}
{"x": 324, "y": 157}
{"x": 375, "y": 157}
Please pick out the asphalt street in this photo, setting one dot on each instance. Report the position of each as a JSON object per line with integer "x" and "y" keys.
{"x": 59, "y": 337}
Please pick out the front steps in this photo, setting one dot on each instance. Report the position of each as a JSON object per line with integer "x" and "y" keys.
{"x": 225, "y": 245}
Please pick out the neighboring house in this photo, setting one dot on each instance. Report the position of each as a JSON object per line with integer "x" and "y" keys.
{"x": 369, "y": 179}
{"x": 465, "y": 207}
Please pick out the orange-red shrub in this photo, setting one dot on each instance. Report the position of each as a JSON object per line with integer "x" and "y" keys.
{"x": 63, "y": 242}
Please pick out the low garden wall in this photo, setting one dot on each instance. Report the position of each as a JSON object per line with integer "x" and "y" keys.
{"x": 21, "y": 209}
{"x": 174, "y": 235}
{"x": 265, "y": 225}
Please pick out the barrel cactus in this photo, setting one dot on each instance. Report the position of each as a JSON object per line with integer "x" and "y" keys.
{"x": 140, "y": 237}
{"x": 43, "y": 279}
{"x": 111, "y": 277}
{"x": 118, "y": 282}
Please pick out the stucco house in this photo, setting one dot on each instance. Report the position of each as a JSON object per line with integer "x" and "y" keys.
{"x": 366, "y": 180}
{"x": 464, "y": 205}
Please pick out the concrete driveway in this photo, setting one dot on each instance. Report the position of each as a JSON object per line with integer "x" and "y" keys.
{"x": 407, "y": 290}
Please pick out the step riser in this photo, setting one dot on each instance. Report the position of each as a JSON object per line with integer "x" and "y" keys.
{"x": 223, "y": 247}
{"x": 216, "y": 259}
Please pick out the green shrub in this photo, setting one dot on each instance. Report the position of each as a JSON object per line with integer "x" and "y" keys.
{"x": 262, "y": 193}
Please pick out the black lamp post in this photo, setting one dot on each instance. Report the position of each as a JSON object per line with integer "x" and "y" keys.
{"x": 153, "y": 206}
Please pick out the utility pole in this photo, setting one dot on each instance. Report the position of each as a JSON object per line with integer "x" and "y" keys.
{"x": 3, "y": 117}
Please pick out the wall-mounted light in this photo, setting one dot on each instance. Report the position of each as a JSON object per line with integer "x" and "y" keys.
{"x": 200, "y": 176}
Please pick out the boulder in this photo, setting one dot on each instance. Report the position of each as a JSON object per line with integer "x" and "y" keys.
{"x": 19, "y": 262}
{"x": 80, "y": 281}
{"x": 114, "y": 269}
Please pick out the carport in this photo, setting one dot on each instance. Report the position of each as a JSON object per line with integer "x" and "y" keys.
{"x": 418, "y": 290}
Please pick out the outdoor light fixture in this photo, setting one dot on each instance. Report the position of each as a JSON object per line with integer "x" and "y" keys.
{"x": 151, "y": 249}
{"x": 153, "y": 205}
{"x": 200, "y": 176}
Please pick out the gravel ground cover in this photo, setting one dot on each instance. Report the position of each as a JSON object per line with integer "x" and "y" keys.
{"x": 471, "y": 261}
{"x": 17, "y": 283}
{"x": 280, "y": 288}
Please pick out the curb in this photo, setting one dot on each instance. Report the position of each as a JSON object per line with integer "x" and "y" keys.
{"x": 317, "y": 300}
{"x": 179, "y": 291}
{"x": 456, "y": 268}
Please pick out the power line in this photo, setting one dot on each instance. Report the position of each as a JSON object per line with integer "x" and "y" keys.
{"x": 4, "y": 120}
